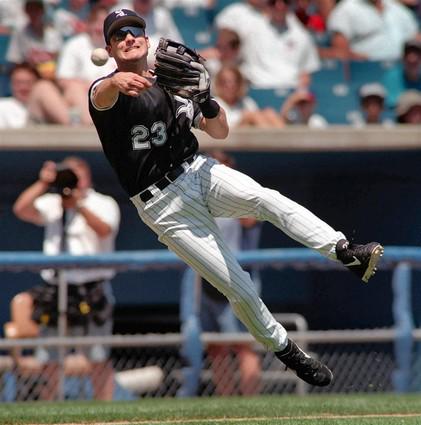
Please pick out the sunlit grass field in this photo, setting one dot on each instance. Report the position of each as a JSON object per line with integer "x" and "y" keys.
{"x": 268, "y": 410}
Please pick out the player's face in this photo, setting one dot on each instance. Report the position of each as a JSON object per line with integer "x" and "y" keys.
{"x": 129, "y": 44}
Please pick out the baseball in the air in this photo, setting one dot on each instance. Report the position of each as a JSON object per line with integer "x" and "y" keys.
{"x": 99, "y": 56}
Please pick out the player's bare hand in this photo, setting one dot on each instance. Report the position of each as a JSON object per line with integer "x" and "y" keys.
{"x": 130, "y": 83}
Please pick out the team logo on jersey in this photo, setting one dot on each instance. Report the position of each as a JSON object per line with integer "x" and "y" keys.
{"x": 186, "y": 108}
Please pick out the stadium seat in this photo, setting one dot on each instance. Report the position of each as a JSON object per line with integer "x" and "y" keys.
{"x": 4, "y": 43}
{"x": 268, "y": 98}
{"x": 336, "y": 100}
{"x": 4, "y": 78}
{"x": 362, "y": 72}
{"x": 195, "y": 25}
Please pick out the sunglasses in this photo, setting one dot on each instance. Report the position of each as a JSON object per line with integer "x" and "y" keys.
{"x": 122, "y": 32}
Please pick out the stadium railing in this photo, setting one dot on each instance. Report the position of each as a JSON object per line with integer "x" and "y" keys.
{"x": 401, "y": 260}
{"x": 335, "y": 138}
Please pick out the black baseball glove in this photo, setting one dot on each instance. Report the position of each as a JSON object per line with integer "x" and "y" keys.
{"x": 180, "y": 71}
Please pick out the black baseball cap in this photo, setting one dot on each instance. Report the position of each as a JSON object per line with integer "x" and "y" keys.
{"x": 121, "y": 18}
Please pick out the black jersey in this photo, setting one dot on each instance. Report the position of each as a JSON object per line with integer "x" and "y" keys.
{"x": 146, "y": 136}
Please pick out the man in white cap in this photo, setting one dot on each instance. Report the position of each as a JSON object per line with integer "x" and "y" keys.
{"x": 408, "y": 109}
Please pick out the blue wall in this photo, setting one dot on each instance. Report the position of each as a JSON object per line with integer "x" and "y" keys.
{"x": 369, "y": 196}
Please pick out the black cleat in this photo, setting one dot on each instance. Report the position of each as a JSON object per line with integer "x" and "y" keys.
{"x": 361, "y": 259}
{"x": 308, "y": 369}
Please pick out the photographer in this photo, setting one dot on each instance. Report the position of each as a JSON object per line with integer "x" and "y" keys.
{"x": 78, "y": 221}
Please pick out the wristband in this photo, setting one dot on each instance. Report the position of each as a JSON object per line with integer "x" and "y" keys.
{"x": 210, "y": 108}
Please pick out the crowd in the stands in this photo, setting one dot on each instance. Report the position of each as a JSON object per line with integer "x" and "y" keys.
{"x": 253, "y": 47}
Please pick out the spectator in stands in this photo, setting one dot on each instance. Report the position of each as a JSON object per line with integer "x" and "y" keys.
{"x": 372, "y": 30}
{"x": 33, "y": 100}
{"x": 37, "y": 43}
{"x": 408, "y": 109}
{"x": 225, "y": 52}
{"x": 230, "y": 88}
{"x": 79, "y": 221}
{"x": 159, "y": 23}
{"x": 405, "y": 75}
{"x": 276, "y": 49}
{"x": 75, "y": 70}
{"x": 299, "y": 108}
{"x": 372, "y": 102}
{"x": 313, "y": 14}
{"x": 242, "y": 11}
{"x": 70, "y": 20}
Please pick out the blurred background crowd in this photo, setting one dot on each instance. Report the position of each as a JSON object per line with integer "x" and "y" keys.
{"x": 274, "y": 62}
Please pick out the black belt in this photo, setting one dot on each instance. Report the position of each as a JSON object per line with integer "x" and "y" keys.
{"x": 163, "y": 182}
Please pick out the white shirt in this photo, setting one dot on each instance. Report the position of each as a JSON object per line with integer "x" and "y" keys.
{"x": 23, "y": 41}
{"x": 159, "y": 23}
{"x": 272, "y": 59}
{"x": 379, "y": 36}
{"x": 74, "y": 61}
{"x": 234, "y": 112}
{"x": 65, "y": 21}
{"x": 12, "y": 14}
{"x": 81, "y": 239}
{"x": 317, "y": 121}
{"x": 13, "y": 114}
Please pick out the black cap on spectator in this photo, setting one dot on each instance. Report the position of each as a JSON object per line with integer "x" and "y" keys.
{"x": 121, "y": 18}
{"x": 412, "y": 45}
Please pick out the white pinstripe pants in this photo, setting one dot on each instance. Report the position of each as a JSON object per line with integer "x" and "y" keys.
{"x": 182, "y": 217}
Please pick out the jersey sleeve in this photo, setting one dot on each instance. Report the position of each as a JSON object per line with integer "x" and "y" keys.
{"x": 91, "y": 92}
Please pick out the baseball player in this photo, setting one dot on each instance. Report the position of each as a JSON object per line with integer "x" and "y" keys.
{"x": 146, "y": 135}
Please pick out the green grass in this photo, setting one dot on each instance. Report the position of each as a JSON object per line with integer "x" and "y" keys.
{"x": 268, "y": 410}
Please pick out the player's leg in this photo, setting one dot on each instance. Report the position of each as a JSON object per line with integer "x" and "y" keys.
{"x": 234, "y": 194}
{"x": 182, "y": 221}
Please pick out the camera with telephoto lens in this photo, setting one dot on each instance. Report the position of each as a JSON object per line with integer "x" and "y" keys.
{"x": 66, "y": 180}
